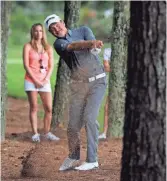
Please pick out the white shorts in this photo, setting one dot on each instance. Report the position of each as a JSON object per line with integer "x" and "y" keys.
{"x": 29, "y": 86}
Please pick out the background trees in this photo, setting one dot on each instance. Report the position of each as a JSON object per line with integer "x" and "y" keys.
{"x": 144, "y": 130}
{"x": 5, "y": 15}
{"x": 117, "y": 79}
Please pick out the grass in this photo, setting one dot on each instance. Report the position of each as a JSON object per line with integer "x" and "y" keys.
{"x": 16, "y": 72}
{"x": 15, "y": 79}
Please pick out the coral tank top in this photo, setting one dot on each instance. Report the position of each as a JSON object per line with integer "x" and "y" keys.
{"x": 35, "y": 61}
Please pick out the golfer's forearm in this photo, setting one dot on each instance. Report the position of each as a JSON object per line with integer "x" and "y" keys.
{"x": 81, "y": 45}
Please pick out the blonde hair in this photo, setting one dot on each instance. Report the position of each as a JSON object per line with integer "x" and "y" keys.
{"x": 44, "y": 39}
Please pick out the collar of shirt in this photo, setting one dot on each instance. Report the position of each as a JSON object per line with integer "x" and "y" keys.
{"x": 69, "y": 33}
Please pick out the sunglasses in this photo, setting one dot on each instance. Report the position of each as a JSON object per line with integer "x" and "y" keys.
{"x": 41, "y": 64}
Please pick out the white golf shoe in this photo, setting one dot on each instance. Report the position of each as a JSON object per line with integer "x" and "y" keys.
{"x": 87, "y": 166}
{"x": 50, "y": 136}
{"x": 36, "y": 137}
{"x": 102, "y": 136}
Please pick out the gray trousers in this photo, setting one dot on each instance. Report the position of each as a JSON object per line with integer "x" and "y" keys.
{"x": 85, "y": 103}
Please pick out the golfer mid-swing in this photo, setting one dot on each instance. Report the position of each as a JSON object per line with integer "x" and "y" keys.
{"x": 88, "y": 84}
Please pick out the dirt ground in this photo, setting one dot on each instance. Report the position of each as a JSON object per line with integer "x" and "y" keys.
{"x": 41, "y": 161}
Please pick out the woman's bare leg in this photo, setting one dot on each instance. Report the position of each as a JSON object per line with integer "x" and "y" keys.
{"x": 32, "y": 98}
{"x": 46, "y": 98}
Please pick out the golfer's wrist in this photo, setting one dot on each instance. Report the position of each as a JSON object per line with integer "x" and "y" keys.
{"x": 92, "y": 44}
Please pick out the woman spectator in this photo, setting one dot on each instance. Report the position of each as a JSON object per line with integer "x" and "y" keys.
{"x": 38, "y": 64}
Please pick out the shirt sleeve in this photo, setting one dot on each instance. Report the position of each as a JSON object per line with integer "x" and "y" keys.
{"x": 107, "y": 54}
{"x": 60, "y": 46}
{"x": 88, "y": 34}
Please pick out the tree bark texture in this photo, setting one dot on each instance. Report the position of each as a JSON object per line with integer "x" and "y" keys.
{"x": 117, "y": 78}
{"x": 144, "y": 156}
{"x": 5, "y": 14}
{"x": 71, "y": 13}
{"x": 61, "y": 94}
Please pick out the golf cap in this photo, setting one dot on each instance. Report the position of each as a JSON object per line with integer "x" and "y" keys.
{"x": 51, "y": 19}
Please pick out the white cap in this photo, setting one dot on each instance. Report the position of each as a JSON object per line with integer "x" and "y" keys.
{"x": 51, "y": 19}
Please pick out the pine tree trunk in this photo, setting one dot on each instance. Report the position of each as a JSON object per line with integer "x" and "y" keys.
{"x": 71, "y": 13}
{"x": 144, "y": 130}
{"x": 5, "y": 14}
{"x": 117, "y": 77}
{"x": 61, "y": 94}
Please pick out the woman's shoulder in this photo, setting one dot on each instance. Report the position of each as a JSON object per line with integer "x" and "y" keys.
{"x": 27, "y": 46}
{"x": 49, "y": 48}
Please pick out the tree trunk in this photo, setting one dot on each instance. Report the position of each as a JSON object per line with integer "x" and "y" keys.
{"x": 117, "y": 77}
{"x": 144, "y": 130}
{"x": 71, "y": 13}
{"x": 5, "y": 14}
{"x": 61, "y": 94}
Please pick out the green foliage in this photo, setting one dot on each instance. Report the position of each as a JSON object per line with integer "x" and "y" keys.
{"x": 18, "y": 23}
{"x": 100, "y": 25}
{"x": 23, "y": 17}
{"x": 25, "y": 14}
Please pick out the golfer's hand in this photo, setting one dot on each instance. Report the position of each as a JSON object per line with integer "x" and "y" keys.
{"x": 99, "y": 44}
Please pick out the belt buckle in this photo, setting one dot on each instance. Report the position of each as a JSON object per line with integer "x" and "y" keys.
{"x": 91, "y": 79}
